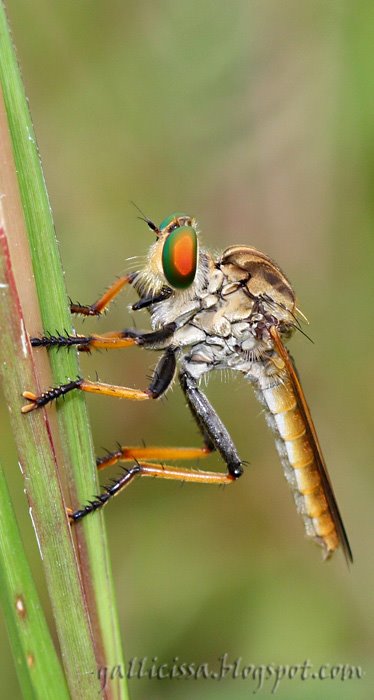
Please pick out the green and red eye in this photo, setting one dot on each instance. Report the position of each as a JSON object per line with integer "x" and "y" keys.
{"x": 179, "y": 254}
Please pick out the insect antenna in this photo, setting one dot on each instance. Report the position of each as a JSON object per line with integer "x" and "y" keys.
{"x": 145, "y": 218}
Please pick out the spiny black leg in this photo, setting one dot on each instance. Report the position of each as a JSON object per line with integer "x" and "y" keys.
{"x": 59, "y": 341}
{"x": 214, "y": 432}
{"x": 153, "y": 340}
{"x": 50, "y": 395}
{"x": 109, "y": 492}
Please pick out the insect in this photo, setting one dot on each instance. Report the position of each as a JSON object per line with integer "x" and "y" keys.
{"x": 231, "y": 311}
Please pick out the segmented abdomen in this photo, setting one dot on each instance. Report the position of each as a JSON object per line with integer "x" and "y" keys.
{"x": 299, "y": 458}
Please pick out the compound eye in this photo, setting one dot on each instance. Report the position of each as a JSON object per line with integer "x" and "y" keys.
{"x": 179, "y": 257}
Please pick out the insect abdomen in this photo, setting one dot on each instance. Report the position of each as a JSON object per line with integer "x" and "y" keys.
{"x": 299, "y": 461}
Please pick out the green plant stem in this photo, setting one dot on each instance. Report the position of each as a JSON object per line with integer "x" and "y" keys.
{"x": 38, "y": 668}
{"x": 54, "y": 446}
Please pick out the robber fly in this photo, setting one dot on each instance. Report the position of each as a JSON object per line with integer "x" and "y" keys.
{"x": 230, "y": 311}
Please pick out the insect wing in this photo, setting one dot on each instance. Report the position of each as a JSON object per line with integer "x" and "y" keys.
{"x": 312, "y": 434}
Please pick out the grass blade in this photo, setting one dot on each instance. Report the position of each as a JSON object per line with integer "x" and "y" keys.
{"x": 54, "y": 446}
{"x": 39, "y": 671}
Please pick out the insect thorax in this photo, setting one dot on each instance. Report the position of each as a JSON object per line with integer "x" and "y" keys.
{"x": 224, "y": 317}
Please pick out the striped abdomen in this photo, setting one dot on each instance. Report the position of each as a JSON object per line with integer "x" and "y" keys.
{"x": 301, "y": 459}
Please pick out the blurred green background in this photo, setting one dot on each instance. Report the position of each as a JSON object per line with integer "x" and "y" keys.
{"x": 257, "y": 118}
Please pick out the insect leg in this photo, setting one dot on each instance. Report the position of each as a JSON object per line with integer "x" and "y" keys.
{"x": 214, "y": 432}
{"x": 158, "y": 471}
{"x": 152, "y": 340}
{"x": 161, "y": 380}
{"x": 126, "y": 453}
{"x": 215, "y": 437}
{"x": 97, "y": 308}
{"x": 136, "y": 453}
{"x": 143, "y": 303}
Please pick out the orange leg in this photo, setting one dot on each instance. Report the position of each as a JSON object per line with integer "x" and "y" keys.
{"x": 214, "y": 433}
{"x": 215, "y": 437}
{"x": 101, "y": 304}
{"x": 127, "y": 454}
{"x": 161, "y": 380}
{"x": 119, "y": 392}
{"x": 108, "y": 341}
{"x": 158, "y": 471}
{"x": 114, "y": 340}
